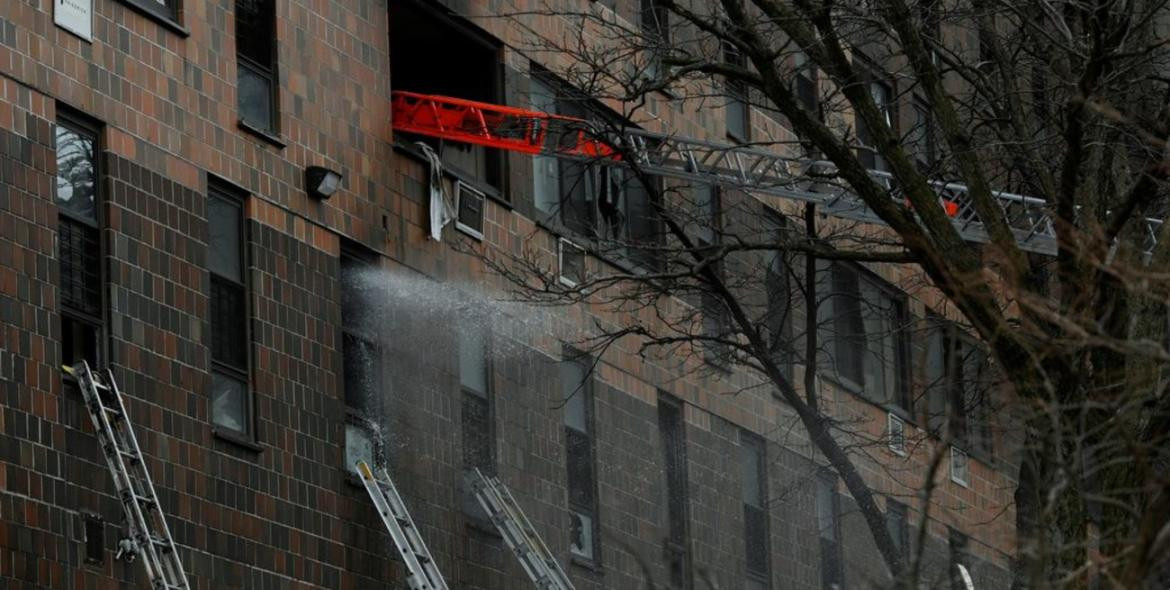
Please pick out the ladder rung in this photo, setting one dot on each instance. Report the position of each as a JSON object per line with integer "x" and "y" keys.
{"x": 128, "y": 496}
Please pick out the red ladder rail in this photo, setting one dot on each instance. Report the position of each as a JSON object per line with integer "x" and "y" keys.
{"x": 508, "y": 128}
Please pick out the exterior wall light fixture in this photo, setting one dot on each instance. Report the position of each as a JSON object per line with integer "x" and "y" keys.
{"x": 321, "y": 183}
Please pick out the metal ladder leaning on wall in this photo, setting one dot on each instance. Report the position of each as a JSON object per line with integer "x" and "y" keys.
{"x": 421, "y": 571}
{"x": 518, "y": 532}
{"x": 150, "y": 537}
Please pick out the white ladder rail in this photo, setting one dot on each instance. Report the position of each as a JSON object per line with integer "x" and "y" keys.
{"x": 505, "y": 513}
{"x": 422, "y": 572}
{"x": 150, "y": 536}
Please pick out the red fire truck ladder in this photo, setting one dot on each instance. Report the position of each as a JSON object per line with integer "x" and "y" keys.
{"x": 150, "y": 537}
{"x": 753, "y": 170}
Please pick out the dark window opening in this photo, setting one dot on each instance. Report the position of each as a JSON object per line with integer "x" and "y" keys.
{"x": 577, "y": 394}
{"x": 754, "y": 480}
{"x": 95, "y": 539}
{"x": 79, "y": 250}
{"x": 671, "y": 429}
{"x": 865, "y": 320}
{"x": 828, "y": 525}
{"x": 806, "y": 84}
{"x": 476, "y": 423}
{"x": 256, "y": 63}
{"x": 456, "y": 61}
{"x": 231, "y": 402}
{"x": 779, "y": 319}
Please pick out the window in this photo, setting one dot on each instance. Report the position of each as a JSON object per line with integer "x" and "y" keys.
{"x": 655, "y": 24}
{"x": 476, "y": 417}
{"x": 670, "y": 428}
{"x": 828, "y": 517}
{"x": 469, "y": 210}
{"x": 546, "y": 170}
{"x": 868, "y": 154}
{"x": 256, "y": 63}
{"x": 361, "y": 362}
{"x": 754, "y": 479}
{"x": 79, "y": 251}
{"x": 922, "y": 136}
{"x": 806, "y": 84}
{"x": 958, "y": 385}
{"x": 708, "y": 230}
{"x": 779, "y": 315}
{"x": 607, "y": 203}
{"x": 95, "y": 539}
{"x": 168, "y": 10}
{"x": 571, "y": 263}
{"x": 865, "y": 335}
{"x": 959, "y": 558}
{"x": 460, "y": 61}
{"x": 960, "y": 467}
{"x": 582, "y": 479}
{"x": 230, "y": 400}
{"x": 898, "y": 525}
{"x": 896, "y": 434}
{"x": 737, "y": 111}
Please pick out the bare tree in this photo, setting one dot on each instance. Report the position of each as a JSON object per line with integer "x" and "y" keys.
{"x": 1065, "y": 102}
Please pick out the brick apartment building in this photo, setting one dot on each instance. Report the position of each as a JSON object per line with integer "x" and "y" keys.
{"x": 154, "y": 219}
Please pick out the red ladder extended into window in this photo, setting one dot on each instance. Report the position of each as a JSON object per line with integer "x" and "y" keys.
{"x": 509, "y": 128}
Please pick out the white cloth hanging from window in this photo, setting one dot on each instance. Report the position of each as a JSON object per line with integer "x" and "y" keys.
{"x": 442, "y": 210}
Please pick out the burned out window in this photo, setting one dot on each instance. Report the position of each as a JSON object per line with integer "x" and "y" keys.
{"x": 361, "y": 361}
{"x": 671, "y": 430}
{"x": 231, "y": 404}
{"x": 459, "y": 61}
{"x": 596, "y": 199}
{"x": 256, "y": 64}
{"x": 79, "y": 251}
{"x": 754, "y": 480}
{"x": 960, "y": 559}
{"x": 577, "y": 393}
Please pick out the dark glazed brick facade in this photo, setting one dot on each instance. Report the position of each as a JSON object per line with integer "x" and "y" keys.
{"x": 282, "y": 513}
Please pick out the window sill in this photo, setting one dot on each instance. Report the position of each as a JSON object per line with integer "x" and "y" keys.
{"x": 152, "y": 11}
{"x": 238, "y": 439}
{"x": 262, "y": 134}
{"x": 586, "y": 564}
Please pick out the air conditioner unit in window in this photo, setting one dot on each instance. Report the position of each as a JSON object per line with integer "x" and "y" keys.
{"x": 469, "y": 210}
{"x": 570, "y": 263}
{"x": 896, "y": 433}
{"x": 960, "y": 467}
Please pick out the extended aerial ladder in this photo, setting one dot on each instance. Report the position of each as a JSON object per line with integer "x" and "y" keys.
{"x": 743, "y": 167}
{"x": 507, "y": 516}
{"x": 421, "y": 571}
{"x": 150, "y": 538}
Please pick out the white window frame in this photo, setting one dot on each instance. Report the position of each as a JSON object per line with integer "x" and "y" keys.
{"x": 895, "y": 423}
{"x": 963, "y": 477}
{"x": 563, "y": 243}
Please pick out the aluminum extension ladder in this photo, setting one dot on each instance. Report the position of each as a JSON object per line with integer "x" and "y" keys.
{"x": 422, "y": 573}
{"x": 150, "y": 538}
{"x": 518, "y": 532}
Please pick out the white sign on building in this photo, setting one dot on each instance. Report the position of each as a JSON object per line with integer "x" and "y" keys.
{"x": 75, "y": 16}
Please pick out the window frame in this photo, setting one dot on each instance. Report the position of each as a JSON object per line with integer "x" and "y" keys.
{"x": 488, "y": 397}
{"x": 867, "y": 152}
{"x": 736, "y": 92}
{"x": 674, "y": 446}
{"x": 218, "y": 190}
{"x": 926, "y": 154}
{"x": 970, "y": 423}
{"x": 831, "y": 550}
{"x": 759, "y": 445}
{"x": 93, "y": 323}
{"x": 166, "y": 13}
{"x": 269, "y": 130}
{"x": 776, "y": 281}
{"x": 841, "y": 341}
{"x": 898, "y": 524}
{"x": 360, "y": 256}
{"x": 586, "y": 388}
